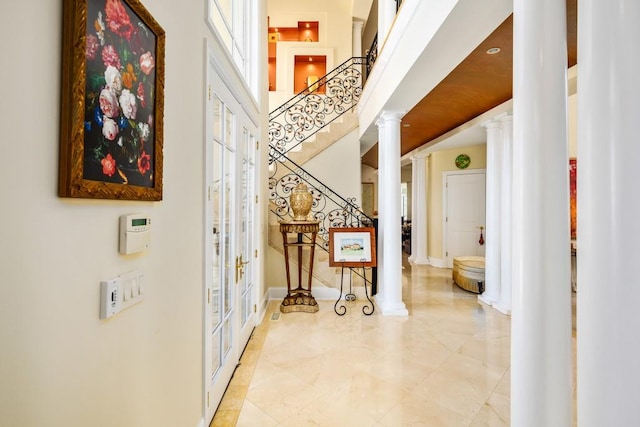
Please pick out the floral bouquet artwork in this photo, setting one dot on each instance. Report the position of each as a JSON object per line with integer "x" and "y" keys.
{"x": 120, "y": 84}
{"x": 122, "y": 100}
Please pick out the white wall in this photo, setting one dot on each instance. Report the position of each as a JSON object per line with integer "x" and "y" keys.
{"x": 60, "y": 365}
{"x": 338, "y": 167}
{"x": 370, "y": 174}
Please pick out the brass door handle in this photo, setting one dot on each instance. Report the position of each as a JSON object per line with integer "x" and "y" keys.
{"x": 240, "y": 267}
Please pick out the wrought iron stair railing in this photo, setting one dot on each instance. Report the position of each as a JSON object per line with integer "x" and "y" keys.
{"x": 331, "y": 209}
{"x": 296, "y": 121}
{"x": 316, "y": 106}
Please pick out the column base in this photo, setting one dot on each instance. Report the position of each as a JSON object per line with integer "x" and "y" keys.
{"x": 392, "y": 309}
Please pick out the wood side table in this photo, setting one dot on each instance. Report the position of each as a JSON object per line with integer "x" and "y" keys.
{"x": 300, "y": 298}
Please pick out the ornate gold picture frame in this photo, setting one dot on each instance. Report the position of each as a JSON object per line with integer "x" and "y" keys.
{"x": 111, "y": 131}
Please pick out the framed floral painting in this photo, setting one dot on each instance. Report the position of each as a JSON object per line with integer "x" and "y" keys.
{"x": 111, "y": 132}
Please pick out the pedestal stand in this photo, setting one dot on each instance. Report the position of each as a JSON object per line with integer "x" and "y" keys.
{"x": 300, "y": 298}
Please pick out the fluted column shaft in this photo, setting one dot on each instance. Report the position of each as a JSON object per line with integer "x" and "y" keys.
{"x": 608, "y": 230}
{"x": 504, "y": 302}
{"x": 541, "y": 313}
{"x": 493, "y": 214}
{"x": 419, "y": 234}
{"x": 381, "y": 205}
{"x": 386, "y": 15}
{"x": 390, "y": 215}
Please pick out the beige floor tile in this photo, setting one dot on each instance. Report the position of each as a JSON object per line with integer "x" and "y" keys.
{"x": 414, "y": 411}
{"x": 446, "y": 364}
{"x": 252, "y": 416}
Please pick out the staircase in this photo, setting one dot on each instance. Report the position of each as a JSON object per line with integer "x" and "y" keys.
{"x": 300, "y": 129}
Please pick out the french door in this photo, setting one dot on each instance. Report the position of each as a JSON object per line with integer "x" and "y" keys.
{"x": 229, "y": 297}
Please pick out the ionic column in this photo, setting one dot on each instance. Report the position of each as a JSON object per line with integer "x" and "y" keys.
{"x": 504, "y": 302}
{"x": 381, "y": 204}
{"x": 493, "y": 213}
{"x": 541, "y": 311}
{"x": 357, "y": 43}
{"x": 386, "y": 15}
{"x": 608, "y": 230}
{"x": 389, "y": 215}
{"x": 419, "y": 209}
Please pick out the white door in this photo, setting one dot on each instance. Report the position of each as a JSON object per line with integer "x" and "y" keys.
{"x": 229, "y": 279}
{"x": 464, "y": 213}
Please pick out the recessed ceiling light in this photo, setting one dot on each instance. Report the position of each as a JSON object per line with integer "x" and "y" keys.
{"x": 493, "y": 50}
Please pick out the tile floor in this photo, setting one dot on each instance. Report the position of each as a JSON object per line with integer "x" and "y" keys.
{"x": 446, "y": 364}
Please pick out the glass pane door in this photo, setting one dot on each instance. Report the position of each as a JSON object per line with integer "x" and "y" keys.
{"x": 215, "y": 276}
{"x": 247, "y": 255}
{"x": 221, "y": 213}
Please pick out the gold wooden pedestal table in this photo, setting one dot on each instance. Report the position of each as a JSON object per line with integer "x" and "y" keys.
{"x": 300, "y": 298}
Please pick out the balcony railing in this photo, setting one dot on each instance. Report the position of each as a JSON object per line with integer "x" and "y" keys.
{"x": 372, "y": 54}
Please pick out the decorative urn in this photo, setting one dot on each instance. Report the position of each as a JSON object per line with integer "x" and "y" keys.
{"x": 300, "y": 202}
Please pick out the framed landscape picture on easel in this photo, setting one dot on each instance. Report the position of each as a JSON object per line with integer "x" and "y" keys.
{"x": 352, "y": 247}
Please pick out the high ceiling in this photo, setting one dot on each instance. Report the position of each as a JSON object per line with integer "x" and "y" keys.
{"x": 479, "y": 83}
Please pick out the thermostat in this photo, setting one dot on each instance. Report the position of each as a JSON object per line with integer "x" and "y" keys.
{"x": 135, "y": 233}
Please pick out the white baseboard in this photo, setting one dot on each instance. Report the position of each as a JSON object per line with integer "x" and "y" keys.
{"x": 262, "y": 306}
{"x": 419, "y": 261}
{"x": 437, "y": 262}
{"x": 319, "y": 293}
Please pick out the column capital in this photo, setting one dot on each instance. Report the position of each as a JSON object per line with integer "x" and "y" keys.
{"x": 357, "y": 25}
{"x": 392, "y": 115}
{"x": 419, "y": 156}
{"x": 492, "y": 124}
{"x": 506, "y": 118}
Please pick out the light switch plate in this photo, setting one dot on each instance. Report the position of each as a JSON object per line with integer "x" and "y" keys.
{"x": 120, "y": 293}
{"x": 110, "y": 298}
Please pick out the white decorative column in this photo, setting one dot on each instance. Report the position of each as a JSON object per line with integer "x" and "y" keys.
{"x": 493, "y": 213}
{"x": 608, "y": 230}
{"x": 541, "y": 370}
{"x": 357, "y": 44}
{"x": 503, "y": 304}
{"x": 381, "y": 204}
{"x": 386, "y": 15}
{"x": 419, "y": 209}
{"x": 390, "y": 217}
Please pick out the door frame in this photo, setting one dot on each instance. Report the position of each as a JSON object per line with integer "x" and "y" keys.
{"x": 219, "y": 83}
{"x": 445, "y": 206}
